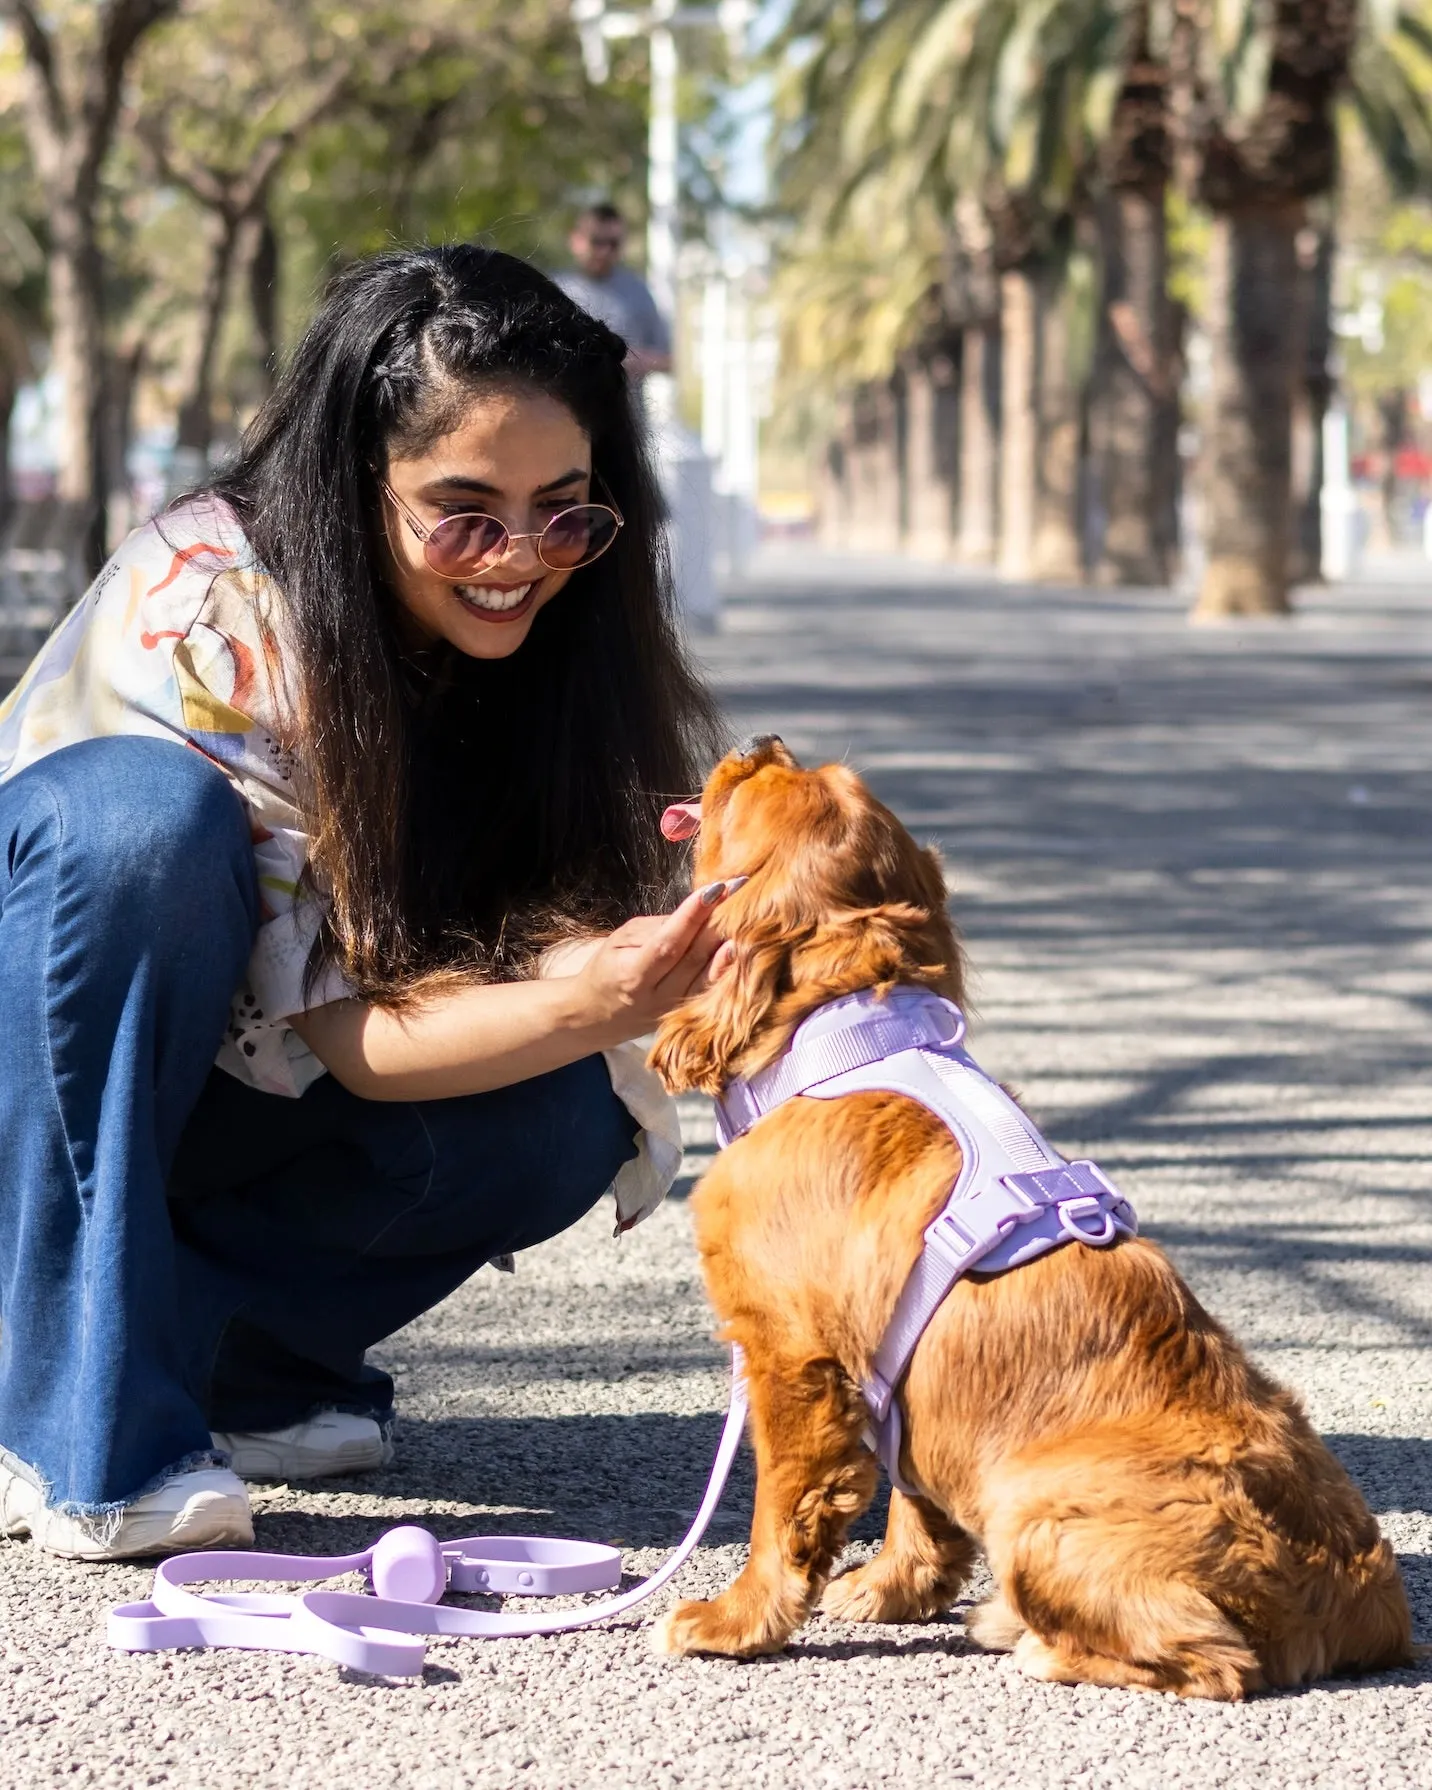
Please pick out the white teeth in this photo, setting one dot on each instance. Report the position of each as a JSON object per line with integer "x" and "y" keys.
{"x": 485, "y": 596}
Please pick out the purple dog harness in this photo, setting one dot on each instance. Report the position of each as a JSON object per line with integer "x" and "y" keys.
{"x": 1015, "y": 1197}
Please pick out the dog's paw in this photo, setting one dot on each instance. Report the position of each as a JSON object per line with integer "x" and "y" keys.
{"x": 856, "y": 1596}
{"x": 699, "y": 1627}
{"x": 994, "y": 1626}
{"x": 867, "y": 1594}
{"x": 1037, "y": 1659}
{"x": 890, "y": 1588}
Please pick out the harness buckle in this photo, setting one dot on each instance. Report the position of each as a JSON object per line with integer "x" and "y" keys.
{"x": 959, "y": 1239}
{"x": 969, "y": 1229}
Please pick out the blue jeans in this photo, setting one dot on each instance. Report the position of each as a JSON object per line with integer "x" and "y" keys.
{"x": 179, "y": 1252}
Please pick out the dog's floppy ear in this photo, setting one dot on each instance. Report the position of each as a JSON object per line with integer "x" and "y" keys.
{"x": 698, "y": 1045}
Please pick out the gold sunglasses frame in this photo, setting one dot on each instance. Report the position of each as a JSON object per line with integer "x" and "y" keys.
{"x": 425, "y": 534}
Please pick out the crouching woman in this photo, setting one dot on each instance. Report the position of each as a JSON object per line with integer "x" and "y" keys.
{"x": 330, "y": 758}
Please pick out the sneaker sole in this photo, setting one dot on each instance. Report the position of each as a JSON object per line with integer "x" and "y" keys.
{"x": 14, "y": 1493}
{"x": 253, "y": 1460}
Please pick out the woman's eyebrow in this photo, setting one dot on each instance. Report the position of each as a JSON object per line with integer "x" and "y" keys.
{"x": 480, "y": 489}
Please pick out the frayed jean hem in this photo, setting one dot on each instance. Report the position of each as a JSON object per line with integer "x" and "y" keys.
{"x": 194, "y": 1462}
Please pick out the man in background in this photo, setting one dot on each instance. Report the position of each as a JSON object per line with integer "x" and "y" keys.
{"x": 618, "y": 297}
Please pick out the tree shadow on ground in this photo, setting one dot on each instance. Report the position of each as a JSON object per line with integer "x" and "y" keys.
{"x": 635, "y": 1480}
{"x": 1394, "y": 1472}
{"x": 638, "y": 1479}
{"x": 1132, "y": 785}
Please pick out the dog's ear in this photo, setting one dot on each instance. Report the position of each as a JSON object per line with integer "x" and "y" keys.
{"x": 871, "y": 947}
{"x": 699, "y": 1044}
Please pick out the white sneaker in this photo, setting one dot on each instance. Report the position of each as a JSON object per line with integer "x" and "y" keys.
{"x": 332, "y": 1442}
{"x": 208, "y": 1508}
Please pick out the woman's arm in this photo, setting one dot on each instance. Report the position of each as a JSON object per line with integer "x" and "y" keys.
{"x": 469, "y": 1040}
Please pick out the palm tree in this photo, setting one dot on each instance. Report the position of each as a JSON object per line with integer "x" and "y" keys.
{"x": 1256, "y": 107}
{"x": 1254, "y": 110}
{"x": 1389, "y": 92}
{"x": 1044, "y": 112}
{"x": 1135, "y": 395}
{"x": 999, "y": 107}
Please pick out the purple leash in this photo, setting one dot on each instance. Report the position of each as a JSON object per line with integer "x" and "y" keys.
{"x": 409, "y": 1570}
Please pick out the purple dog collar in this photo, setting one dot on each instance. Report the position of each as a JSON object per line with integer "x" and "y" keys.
{"x": 851, "y": 1033}
{"x": 409, "y": 1570}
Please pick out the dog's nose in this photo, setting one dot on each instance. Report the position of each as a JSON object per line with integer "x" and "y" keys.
{"x": 749, "y": 748}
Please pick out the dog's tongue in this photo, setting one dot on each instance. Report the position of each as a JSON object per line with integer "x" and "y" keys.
{"x": 681, "y": 820}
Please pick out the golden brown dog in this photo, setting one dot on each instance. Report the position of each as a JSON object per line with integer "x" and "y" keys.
{"x": 1155, "y": 1511}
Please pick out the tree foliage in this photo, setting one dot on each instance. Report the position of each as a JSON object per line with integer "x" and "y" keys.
{"x": 267, "y": 140}
{"x": 892, "y": 113}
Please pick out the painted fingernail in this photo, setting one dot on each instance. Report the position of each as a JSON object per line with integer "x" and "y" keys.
{"x": 712, "y": 893}
{"x": 736, "y": 882}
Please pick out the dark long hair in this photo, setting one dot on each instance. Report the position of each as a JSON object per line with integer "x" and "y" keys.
{"x": 465, "y": 813}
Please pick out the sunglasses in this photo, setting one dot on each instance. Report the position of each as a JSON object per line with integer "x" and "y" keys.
{"x": 460, "y": 546}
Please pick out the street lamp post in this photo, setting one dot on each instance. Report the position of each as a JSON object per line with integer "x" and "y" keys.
{"x": 685, "y": 467}
{"x": 662, "y": 149}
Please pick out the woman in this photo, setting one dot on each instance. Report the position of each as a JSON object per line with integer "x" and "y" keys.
{"x": 280, "y": 1072}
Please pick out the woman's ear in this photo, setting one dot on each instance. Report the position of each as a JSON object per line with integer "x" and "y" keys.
{"x": 700, "y": 1045}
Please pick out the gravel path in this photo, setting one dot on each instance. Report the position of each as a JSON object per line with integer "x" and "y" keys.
{"x": 1193, "y": 871}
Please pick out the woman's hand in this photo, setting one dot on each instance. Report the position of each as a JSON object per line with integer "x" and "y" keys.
{"x": 637, "y": 974}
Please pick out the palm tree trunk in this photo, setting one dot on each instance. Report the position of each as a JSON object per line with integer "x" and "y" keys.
{"x": 833, "y": 519}
{"x": 930, "y": 457}
{"x": 1057, "y": 554}
{"x": 979, "y": 441}
{"x": 1310, "y": 406}
{"x": 1039, "y": 430}
{"x": 1135, "y": 390}
{"x": 1020, "y": 308}
{"x": 1256, "y": 359}
{"x": 872, "y": 522}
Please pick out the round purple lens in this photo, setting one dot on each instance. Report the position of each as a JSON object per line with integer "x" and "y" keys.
{"x": 577, "y": 535}
{"x": 465, "y": 544}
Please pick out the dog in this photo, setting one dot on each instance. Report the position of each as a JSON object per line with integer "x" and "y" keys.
{"x": 1156, "y": 1512}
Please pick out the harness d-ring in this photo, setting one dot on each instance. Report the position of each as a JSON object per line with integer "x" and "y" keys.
{"x": 1089, "y": 1206}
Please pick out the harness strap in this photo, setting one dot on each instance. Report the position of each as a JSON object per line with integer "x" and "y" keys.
{"x": 1088, "y": 1208}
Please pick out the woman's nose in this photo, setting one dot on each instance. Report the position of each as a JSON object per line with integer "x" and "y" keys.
{"x": 521, "y": 556}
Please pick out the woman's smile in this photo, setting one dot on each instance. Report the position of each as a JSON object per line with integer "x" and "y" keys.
{"x": 497, "y": 602}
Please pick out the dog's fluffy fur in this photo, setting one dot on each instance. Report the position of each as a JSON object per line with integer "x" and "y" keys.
{"x": 1156, "y": 1512}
